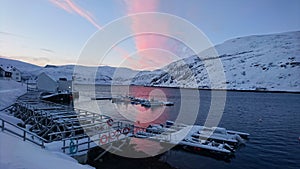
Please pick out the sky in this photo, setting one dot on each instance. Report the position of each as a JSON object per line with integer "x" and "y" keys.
{"x": 57, "y": 31}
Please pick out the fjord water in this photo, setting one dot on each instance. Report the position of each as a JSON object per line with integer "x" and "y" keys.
{"x": 272, "y": 119}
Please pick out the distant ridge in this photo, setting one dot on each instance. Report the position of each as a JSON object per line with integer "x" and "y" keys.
{"x": 257, "y": 62}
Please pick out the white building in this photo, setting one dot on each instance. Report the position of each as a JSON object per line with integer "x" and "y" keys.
{"x": 15, "y": 74}
{"x": 45, "y": 82}
{"x": 10, "y": 72}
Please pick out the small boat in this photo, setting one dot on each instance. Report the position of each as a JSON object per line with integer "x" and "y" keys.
{"x": 218, "y": 134}
{"x": 207, "y": 145}
{"x": 151, "y": 103}
{"x": 168, "y": 103}
{"x": 145, "y": 103}
{"x": 156, "y": 103}
{"x": 143, "y": 134}
{"x": 241, "y": 134}
{"x": 208, "y": 140}
{"x": 169, "y": 123}
{"x": 57, "y": 97}
{"x": 155, "y": 128}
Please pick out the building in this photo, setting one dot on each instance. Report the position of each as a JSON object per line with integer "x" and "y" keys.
{"x": 2, "y": 72}
{"x": 15, "y": 74}
{"x": 64, "y": 84}
{"x": 45, "y": 82}
{"x": 10, "y": 72}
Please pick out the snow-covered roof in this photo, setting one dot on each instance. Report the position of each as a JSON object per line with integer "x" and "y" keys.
{"x": 8, "y": 68}
{"x": 54, "y": 77}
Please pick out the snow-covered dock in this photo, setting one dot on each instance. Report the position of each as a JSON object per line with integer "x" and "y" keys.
{"x": 20, "y": 148}
{"x": 54, "y": 121}
{"x": 70, "y": 130}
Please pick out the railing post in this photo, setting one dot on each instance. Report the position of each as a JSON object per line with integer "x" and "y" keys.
{"x": 77, "y": 144}
{"x": 64, "y": 144}
{"x": 2, "y": 125}
{"x": 24, "y": 135}
{"x": 89, "y": 139}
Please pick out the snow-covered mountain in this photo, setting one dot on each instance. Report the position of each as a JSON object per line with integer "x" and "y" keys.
{"x": 82, "y": 74}
{"x": 26, "y": 68}
{"x": 265, "y": 62}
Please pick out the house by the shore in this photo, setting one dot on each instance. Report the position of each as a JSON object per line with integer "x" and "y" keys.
{"x": 45, "y": 82}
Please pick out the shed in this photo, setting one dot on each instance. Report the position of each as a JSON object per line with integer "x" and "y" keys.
{"x": 46, "y": 83}
{"x": 51, "y": 83}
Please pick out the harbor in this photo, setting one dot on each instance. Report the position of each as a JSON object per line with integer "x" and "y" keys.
{"x": 76, "y": 132}
{"x": 144, "y": 140}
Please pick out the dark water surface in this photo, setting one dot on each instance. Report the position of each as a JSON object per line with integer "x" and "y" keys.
{"x": 272, "y": 119}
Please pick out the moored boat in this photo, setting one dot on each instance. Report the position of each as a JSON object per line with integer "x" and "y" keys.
{"x": 208, "y": 145}
{"x": 217, "y": 134}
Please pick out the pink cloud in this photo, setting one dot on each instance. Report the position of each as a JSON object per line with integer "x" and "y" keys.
{"x": 62, "y": 4}
{"x": 146, "y": 41}
{"x": 137, "y": 6}
{"x": 138, "y": 24}
{"x": 71, "y": 7}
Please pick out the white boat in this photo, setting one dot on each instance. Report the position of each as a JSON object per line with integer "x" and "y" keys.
{"x": 214, "y": 139}
{"x": 155, "y": 128}
{"x": 218, "y": 134}
{"x": 241, "y": 134}
{"x": 143, "y": 134}
{"x": 168, "y": 103}
{"x": 207, "y": 145}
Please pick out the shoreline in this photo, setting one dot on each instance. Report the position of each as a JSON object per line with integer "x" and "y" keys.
{"x": 227, "y": 90}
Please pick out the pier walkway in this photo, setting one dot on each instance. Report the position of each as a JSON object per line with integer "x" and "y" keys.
{"x": 73, "y": 130}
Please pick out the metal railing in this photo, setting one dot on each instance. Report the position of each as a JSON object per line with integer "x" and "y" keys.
{"x": 21, "y": 132}
{"x": 115, "y": 133}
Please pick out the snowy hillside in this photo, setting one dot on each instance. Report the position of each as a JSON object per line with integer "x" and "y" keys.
{"x": 261, "y": 62}
{"x": 270, "y": 62}
{"x": 90, "y": 75}
{"x": 82, "y": 74}
{"x": 22, "y": 66}
{"x": 26, "y": 68}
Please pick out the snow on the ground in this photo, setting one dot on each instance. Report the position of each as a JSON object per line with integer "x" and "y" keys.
{"x": 9, "y": 91}
{"x": 15, "y": 153}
